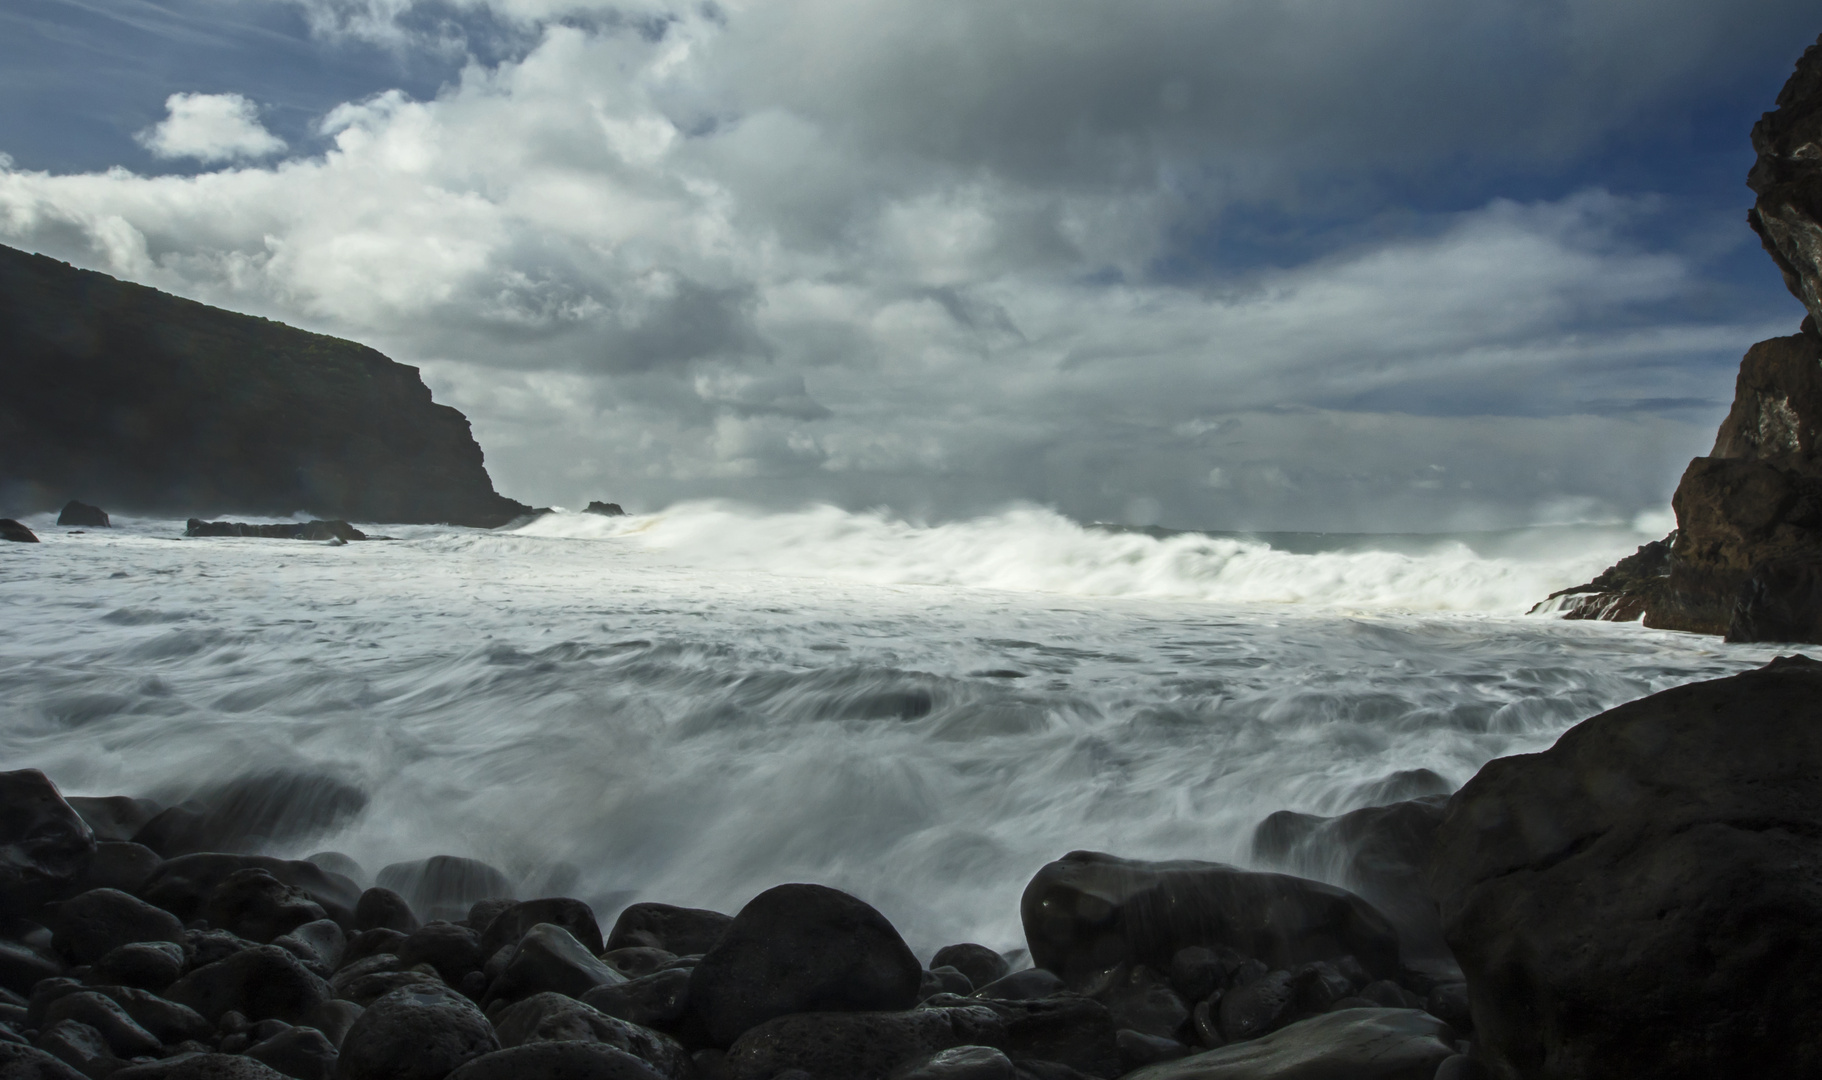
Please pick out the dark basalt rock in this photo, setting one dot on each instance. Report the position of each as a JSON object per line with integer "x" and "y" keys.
{"x": 29, "y": 1063}
{"x": 168, "y": 1021}
{"x": 416, "y": 1033}
{"x": 255, "y": 812}
{"x": 81, "y": 515}
{"x": 678, "y": 930}
{"x": 1087, "y": 912}
{"x": 96, "y": 922}
{"x": 550, "y": 1018}
{"x": 960, "y": 1063}
{"x": 146, "y": 965}
{"x": 79, "y": 1045}
{"x": 548, "y": 958}
{"x": 369, "y": 943}
{"x": 1749, "y": 515}
{"x": 605, "y": 509}
{"x": 1645, "y": 897}
{"x": 113, "y": 817}
{"x": 1354, "y": 1044}
{"x": 383, "y": 909}
{"x": 123, "y": 1035}
{"x": 16, "y": 532}
{"x": 659, "y": 1000}
{"x": 143, "y": 399}
{"x": 1067, "y": 1030}
{"x": 308, "y": 530}
{"x": 1027, "y": 985}
{"x": 184, "y": 885}
{"x": 318, "y": 944}
{"x": 572, "y": 915}
{"x": 979, "y": 963}
{"x": 452, "y": 949}
{"x": 201, "y": 1066}
{"x": 253, "y": 904}
{"x": 1142, "y": 1000}
{"x": 557, "y": 1061}
{"x": 635, "y": 962}
{"x": 857, "y": 1045}
{"x": 302, "y": 1053}
{"x": 1380, "y": 853}
{"x": 802, "y": 948}
{"x": 264, "y": 982}
{"x": 120, "y": 865}
{"x": 444, "y": 886}
{"x": 44, "y": 844}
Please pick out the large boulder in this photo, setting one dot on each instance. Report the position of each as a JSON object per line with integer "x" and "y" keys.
{"x": 81, "y": 515}
{"x": 572, "y": 915}
{"x": 94, "y": 923}
{"x": 185, "y": 885}
{"x": 679, "y": 930}
{"x": 44, "y": 844}
{"x": 1088, "y": 912}
{"x": 255, "y": 905}
{"x": 1350, "y": 1044}
{"x": 802, "y": 948}
{"x": 547, "y": 958}
{"x": 113, "y": 817}
{"x": 659, "y": 1000}
{"x": 16, "y": 532}
{"x": 1645, "y": 897}
{"x": 29, "y": 1063}
{"x": 254, "y": 812}
{"x": 415, "y": 1033}
{"x": 548, "y": 1018}
{"x": 444, "y": 886}
{"x": 264, "y": 982}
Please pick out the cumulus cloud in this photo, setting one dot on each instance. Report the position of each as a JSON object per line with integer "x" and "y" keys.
{"x": 210, "y": 128}
{"x": 933, "y": 255}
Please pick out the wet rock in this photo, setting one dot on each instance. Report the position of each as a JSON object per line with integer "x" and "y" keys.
{"x": 636, "y": 962}
{"x": 944, "y": 980}
{"x": 547, "y": 1018}
{"x": 16, "y": 532}
{"x": 204, "y": 947}
{"x": 201, "y": 1066}
{"x": 1137, "y": 1049}
{"x": 482, "y": 913}
{"x": 334, "y": 1018}
{"x": 372, "y": 943}
{"x": 261, "y": 982}
{"x": 23, "y": 967}
{"x": 256, "y": 812}
{"x": 113, "y": 817}
{"x": 452, "y": 949}
{"x": 29, "y": 1063}
{"x": 367, "y": 989}
{"x": 960, "y": 1063}
{"x": 1249, "y": 1011}
{"x": 1027, "y": 985}
{"x": 1142, "y": 1000}
{"x": 1779, "y": 600}
{"x": 44, "y": 844}
{"x": 336, "y": 862}
{"x": 548, "y": 958}
{"x": 605, "y": 509}
{"x": 1197, "y": 971}
{"x": 572, "y": 915}
{"x": 120, "y": 865}
{"x": 255, "y": 905}
{"x": 857, "y": 1045}
{"x": 1641, "y": 898}
{"x": 678, "y": 930}
{"x": 802, "y": 948}
{"x": 81, "y": 1047}
{"x": 44, "y": 994}
{"x": 981, "y": 964}
{"x": 318, "y": 944}
{"x": 1380, "y": 853}
{"x": 169, "y": 1022}
{"x": 1359, "y": 1044}
{"x": 383, "y": 909}
{"x": 184, "y": 885}
{"x": 123, "y": 1035}
{"x": 1087, "y": 912}
{"x": 444, "y": 886}
{"x": 658, "y": 1000}
{"x": 96, "y": 922}
{"x": 557, "y": 1061}
{"x": 416, "y": 1033}
{"x": 81, "y": 515}
{"x": 303, "y": 1053}
{"x": 1069, "y": 1030}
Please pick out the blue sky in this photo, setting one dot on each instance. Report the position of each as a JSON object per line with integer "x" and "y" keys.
{"x": 1287, "y": 264}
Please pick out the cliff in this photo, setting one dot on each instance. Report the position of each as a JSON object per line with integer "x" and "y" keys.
{"x": 136, "y": 399}
{"x": 1746, "y": 557}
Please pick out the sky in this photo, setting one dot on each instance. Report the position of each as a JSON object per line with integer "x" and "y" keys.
{"x": 1412, "y": 265}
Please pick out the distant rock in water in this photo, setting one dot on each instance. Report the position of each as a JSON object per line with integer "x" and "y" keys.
{"x": 308, "y": 530}
{"x": 605, "y": 509}
{"x": 1746, "y": 557}
{"x": 150, "y": 401}
{"x": 83, "y": 516}
{"x": 12, "y": 530}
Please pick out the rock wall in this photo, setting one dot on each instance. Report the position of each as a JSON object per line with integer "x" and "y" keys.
{"x": 1749, "y": 515}
{"x": 124, "y": 395}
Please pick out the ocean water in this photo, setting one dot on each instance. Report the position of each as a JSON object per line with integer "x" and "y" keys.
{"x": 695, "y": 705}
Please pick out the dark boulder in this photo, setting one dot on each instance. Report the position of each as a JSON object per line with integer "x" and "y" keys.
{"x": 659, "y": 1000}
{"x": 1353, "y": 1044}
{"x": 123, "y": 1035}
{"x": 1645, "y": 897}
{"x": 302, "y": 1053}
{"x": 92, "y": 924}
{"x": 415, "y": 1033}
{"x": 383, "y": 909}
{"x": 80, "y": 1046}
{"x": 81, "y": 515}
{"x": 1380, "y": 853}
{"x": 184, "y": 885}
{"x": 120, "y": 865}
{"x": 254, "y": 812}
{"x": 558, "y": 1061}
{"x": 1067, "y": 1030}
{"x": 259, "y": 983}
{"x": 857, "y": 1045}
{"x": 1258, "y": 1007}
{"x": 572, "y": 915}
{"x": 204, "y": 947}
{"x": 168, "y": 1021}
{"x": 44, "y": 844}
{"x": 482, "y": 913}
{"x": 307, "y": 530}
{"x": 802, "y": 948}
{"x": 678, "y": 930}
{"x": 444, "y": 886}
{"x": 981, "y": 964}
{"x": 547, "y": 958}
{"x": 960, "y": 1063}
{"x": 605, "y": 509}
{"x": 1141, "y": 999}
{"x": 113, "y": 817}
{"x": 22, "y": 966}
{"x": 145, "y": 965}
{"x": 452, "y": 949}
{"x": 1027, "y": 985}
{"x": 1087, "y": 912}
{"x": 548, "y": 1018}
{"x": 635, "y": 962}
{"x": 255, "y": 905}
{"x": 16, "y": 532}
{"x": 371, "y": 943}
{"x": 318, "y": 944}
{"x": 1780, "y": 600}
{"x": 30, "y": 1063}
{"x": 201, "y": 1066}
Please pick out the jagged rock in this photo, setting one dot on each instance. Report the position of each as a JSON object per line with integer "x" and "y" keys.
{"x": 1087, "y": 912}
{"x": 1787, "y": 178}
{"x": 678, "y": 930}
{"x": 139, "y": 398}
{"x": 81, "y": 515}
{"x": 1354, "y": 1044}
{"x": 1645, "y": 897}
{"x": 94, "y": 923}
{"x": 259, "y": 983}
{"x": 605, "y": 509}
{"x": 16, "y": 532}
{"x": 1621, "y": 593}
{"x": 444, "y": 886}
{"x": 1377, "y": 852}
{"x": 44, "y": 844}
{"x": 415, "y": 1033}
{"x": 557, "y": 1061}
{"x": 548, "y": 1018}
{"x": 802, "y": 948}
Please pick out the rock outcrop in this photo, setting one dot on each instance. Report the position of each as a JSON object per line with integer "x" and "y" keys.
{"x": 1749, "y": 515}
{"x": 152, "y": 402}
{"x": 1645, "y": 897}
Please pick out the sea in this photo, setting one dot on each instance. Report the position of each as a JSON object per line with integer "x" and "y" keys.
{"x": 694, "y": 705}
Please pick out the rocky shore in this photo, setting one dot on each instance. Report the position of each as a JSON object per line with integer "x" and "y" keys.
{"x": 1643, "y": 899}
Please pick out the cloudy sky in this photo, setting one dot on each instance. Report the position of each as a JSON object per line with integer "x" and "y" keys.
{"x": 1412, "y": 264}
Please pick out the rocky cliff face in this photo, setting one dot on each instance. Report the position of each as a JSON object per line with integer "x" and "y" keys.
{"x": 1746, "y": 558}
{"x": 139, "y": 400}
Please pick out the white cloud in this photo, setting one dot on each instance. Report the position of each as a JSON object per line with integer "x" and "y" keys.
{"x": 210, "y": 128}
